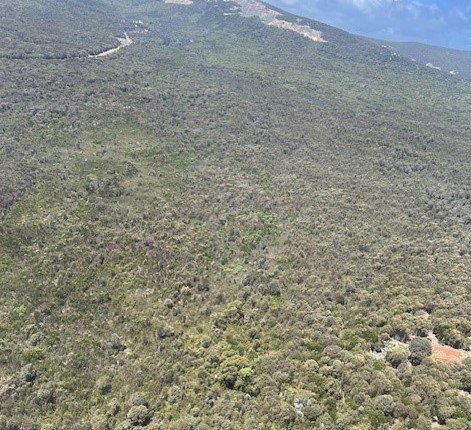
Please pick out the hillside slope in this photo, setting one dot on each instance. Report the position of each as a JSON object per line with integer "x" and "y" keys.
{"x": 57, "y": 28}
{"x": 229, "y": 225}
{"x": 453, "y": 61}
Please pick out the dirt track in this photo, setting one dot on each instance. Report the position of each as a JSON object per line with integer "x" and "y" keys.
{"x": 124, "y": 41}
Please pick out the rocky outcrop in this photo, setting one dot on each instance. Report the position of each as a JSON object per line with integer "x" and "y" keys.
{"x": 251, "y": 8}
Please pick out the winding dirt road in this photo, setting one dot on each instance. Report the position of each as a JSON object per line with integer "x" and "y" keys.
{"x": 124, "y": 41}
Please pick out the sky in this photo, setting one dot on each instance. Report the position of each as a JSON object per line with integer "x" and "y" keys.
{"x": 437, "y": 22}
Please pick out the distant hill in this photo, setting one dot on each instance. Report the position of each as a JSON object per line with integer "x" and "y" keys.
{"x": 452, "y": 61}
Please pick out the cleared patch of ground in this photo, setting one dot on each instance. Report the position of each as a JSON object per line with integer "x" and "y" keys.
{"x": 441, "y": 353}
{"x": 433, "y": 67}
{"x": 304, "y": 30}
{"x": 183, "y": 2}
{"x": 251, "y": 8}
{"x": 445, "y": 353}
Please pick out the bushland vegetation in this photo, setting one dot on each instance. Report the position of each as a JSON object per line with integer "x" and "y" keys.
{"x": 228, "y": 226}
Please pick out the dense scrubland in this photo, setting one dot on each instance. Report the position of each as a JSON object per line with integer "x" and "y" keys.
{"x": 229, "y": 226}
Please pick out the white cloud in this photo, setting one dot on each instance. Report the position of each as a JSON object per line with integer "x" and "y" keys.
{"x": 366, "y": 4}
{"x": 289, "y": 2}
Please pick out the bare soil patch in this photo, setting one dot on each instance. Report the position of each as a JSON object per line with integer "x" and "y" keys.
{"x": 445, "y": 353}
{"x": 183, "y": 2}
